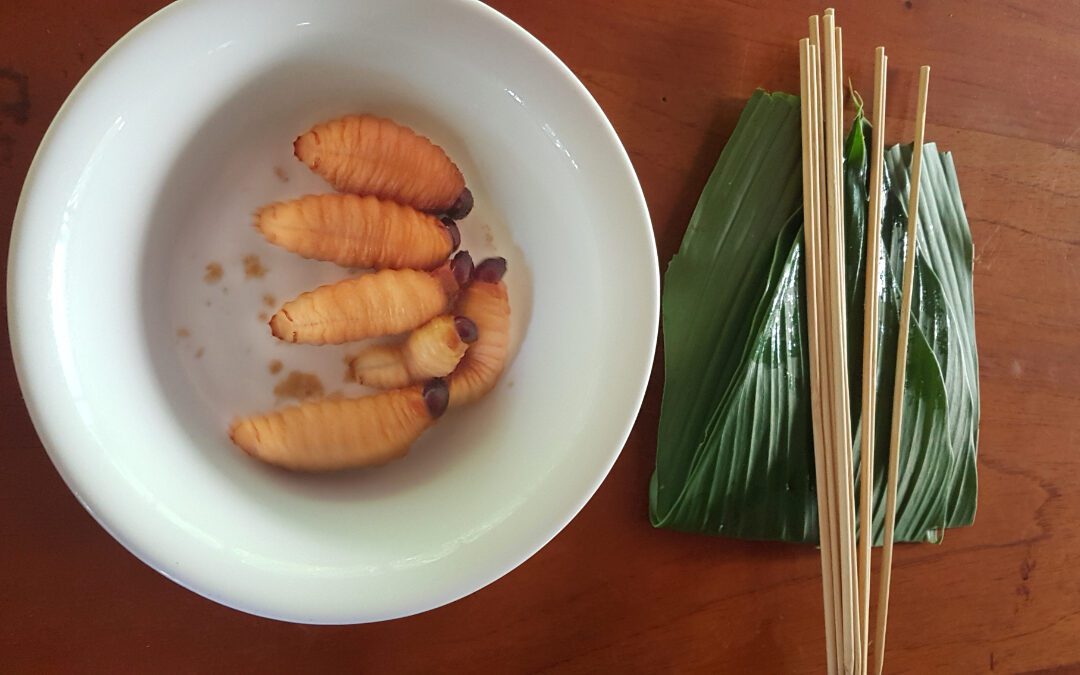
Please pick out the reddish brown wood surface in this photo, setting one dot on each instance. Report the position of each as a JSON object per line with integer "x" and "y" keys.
{"x": 610, "y": 594}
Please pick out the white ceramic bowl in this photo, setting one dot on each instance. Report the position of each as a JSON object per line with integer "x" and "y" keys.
{"x": 151, "y": 170}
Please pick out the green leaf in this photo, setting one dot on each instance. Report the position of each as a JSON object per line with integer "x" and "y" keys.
{"x": 715, "y": 281}
{"x": 734, "y": 450}
{"x": 943, "y": 308}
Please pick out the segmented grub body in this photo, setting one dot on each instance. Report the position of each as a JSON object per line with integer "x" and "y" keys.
{"x": 386, "y": 302}
{"x": 355, "y": 231}
{"x": 370, "y": 155}
{"x": 432, "y": 350}
{"x": 488, "y": 305}
{"x": 341, "y": 433}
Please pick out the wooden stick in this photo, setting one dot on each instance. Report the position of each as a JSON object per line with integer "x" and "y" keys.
{"x": 837, "y": 327}
{"x": 870, "y": 349}
{"x": 840, "y": 85}
{"x": 901, "y": 371}
{"x": 810, "y": 189}
{"x": 824, "y": 356}
{"x": 845, "y": 419}
{"x": 831, "y": 534}
{"x": 838, "y": 50}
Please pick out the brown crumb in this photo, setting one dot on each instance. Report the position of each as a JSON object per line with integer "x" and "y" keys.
{"x": 489, "y": 238}
{"x": 280, "y": 173}
{"x": 253, "y": 267}
{"x": 214, "y": 272}
{"x": 207, "y": 303}
{"x": 183, "y": 333}
{"x": 263, "y": 316}
{"x": 299, "y": 385}
{"x": 199, "y": 353}
{"x": 225, "y": 290}
{"x": 275, "y": 367}
{"x": 269, "y": 300}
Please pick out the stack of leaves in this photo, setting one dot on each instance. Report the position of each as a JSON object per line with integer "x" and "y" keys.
{"x": 735, "y": 452}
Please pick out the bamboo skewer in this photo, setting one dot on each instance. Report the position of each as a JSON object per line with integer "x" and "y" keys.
{"x": 870, "y": 348}
{"x": 829, "y": 524}
{"x": 901, "y": 371}
{"x": 837, "y": 338}
{"x": 846, "y": 543}
{"x": 827, "y": 359}
{"x": 846, "y": 552}
{"x": 839, "y": 39}
{"x": 846, "y": 449}
{"x": 807, "y": 63}
{"x": 839, "y": 47}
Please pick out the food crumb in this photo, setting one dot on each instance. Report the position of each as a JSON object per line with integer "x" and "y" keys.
{"x": 299, "y": 385}
{"x": 269, "y": 300}
{"x": 489, "y": 238}
{"x": 275, "y": 367}
{"x": 225, "y": 290}
{"x": 183, "y": 333}
{"x": 280, "y": 173}
{"x": 199, "y": 353}
{"x": 253, "y": 267}
{"x": 207, "y": 303}
{"x": 214, "y": 272}
{"x": 262, "y": 316}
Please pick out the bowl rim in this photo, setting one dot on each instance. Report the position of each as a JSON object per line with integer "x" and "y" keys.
{"x": 36, "y": 398}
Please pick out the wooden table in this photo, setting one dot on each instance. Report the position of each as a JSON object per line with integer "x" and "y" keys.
{"x": 610, "y": 594}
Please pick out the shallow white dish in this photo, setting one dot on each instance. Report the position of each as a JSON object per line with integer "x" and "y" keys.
{"x": 151, "y": 170}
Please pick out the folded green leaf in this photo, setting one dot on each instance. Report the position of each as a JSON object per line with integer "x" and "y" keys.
{"x": 714, "y": 283}
{"x": 734, "y": 451}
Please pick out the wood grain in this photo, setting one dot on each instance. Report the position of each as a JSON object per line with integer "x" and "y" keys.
{"x": 610, "y": 594}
